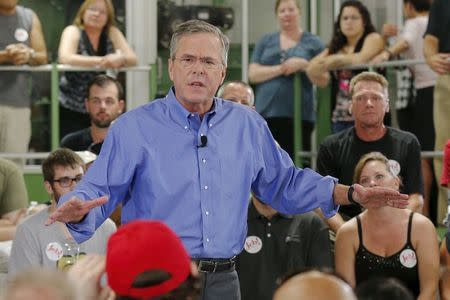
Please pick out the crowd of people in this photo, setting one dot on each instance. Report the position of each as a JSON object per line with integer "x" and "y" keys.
{"x": 203, "y": 180}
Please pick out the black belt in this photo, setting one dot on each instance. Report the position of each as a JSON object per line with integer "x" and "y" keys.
{"x": 210, "y": 265}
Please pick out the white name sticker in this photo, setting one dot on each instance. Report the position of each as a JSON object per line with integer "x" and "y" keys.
{"x": 253, "y": 244}
{"x": 54, "y": 251}
{"x": 408, "y": 258}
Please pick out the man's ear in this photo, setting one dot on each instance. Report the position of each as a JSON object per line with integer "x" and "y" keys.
{"x": 387, "y": 106}
{"x": 170, "y": 68}
{"x": 48, "y": 187}
{"x": 350, "y": 107}
{"x": 121, "y": 106}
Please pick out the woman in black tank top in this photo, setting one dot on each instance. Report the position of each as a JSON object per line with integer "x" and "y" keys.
{"x": 388, "y": 242}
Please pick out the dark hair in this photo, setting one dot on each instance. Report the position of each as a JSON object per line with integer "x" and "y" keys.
{"x": 103, "y": 80}
{"x": 383, "y": 288}
{"x": 339, "y": 40}
{"x": 60, "y": 157}
{"x": 419, "y": 5}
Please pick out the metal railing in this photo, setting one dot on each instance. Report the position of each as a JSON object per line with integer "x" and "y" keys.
{"x": 323, "y": 107}
{"x": 55, "y": 69}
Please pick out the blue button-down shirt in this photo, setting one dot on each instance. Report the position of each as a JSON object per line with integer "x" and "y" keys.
{"x": 152, "y": 163}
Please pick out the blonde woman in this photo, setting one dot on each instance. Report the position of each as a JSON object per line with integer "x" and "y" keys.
{"x": 388, "y": 242}
{"x": 91, "y": 41}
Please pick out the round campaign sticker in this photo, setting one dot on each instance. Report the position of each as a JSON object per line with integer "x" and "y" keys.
{"x": 408, "y": 258}
{"x": 21, "y": 35}
{"x": 394, "y": 166}
{"x": 253, "y": 244}
{"x": 54, "y": 251}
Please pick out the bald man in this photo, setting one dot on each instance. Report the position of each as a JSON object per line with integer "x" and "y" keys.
{"x": 237, "y": 91}
{"x": 315, "y": 285}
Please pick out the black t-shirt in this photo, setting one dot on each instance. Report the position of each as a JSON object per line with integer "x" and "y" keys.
{"x": 274, "y": 247}
{"x": 339, "y": 154}
{"x": 78, "y": 141}
{"x": 439, "y": 24}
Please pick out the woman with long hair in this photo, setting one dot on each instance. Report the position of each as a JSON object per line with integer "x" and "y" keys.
{"x": 354, "y": 41}
{"x": 91, "y": 41}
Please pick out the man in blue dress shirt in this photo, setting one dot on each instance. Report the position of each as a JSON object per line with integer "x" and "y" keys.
{"x": 191, "y": 159}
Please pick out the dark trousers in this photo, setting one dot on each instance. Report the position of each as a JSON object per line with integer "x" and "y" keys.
{"x": 221, "y": 286}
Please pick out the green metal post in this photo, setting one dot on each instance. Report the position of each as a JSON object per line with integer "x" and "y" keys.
{"x": 297, "y": 120}
{"x": 55, "y": 108}
{"x": 323, "y": 123}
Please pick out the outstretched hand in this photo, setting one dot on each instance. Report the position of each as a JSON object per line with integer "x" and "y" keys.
{"x": 375, "y": 197}
{"x": 74, "y": 210}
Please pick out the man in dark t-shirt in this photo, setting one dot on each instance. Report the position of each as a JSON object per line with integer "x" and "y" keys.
{"x": 104, "y": 103}
{"x": 339, "y": 153}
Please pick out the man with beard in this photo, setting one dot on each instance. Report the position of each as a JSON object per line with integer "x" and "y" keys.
{"x": 104, "y": 103}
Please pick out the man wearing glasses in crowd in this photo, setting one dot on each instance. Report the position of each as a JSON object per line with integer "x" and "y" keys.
{"x": 38, "y": 245}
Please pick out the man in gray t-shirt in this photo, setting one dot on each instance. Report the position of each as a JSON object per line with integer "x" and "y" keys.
{"x": 36, "y": 244}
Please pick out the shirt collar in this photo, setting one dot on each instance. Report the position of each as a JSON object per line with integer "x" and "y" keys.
{"x": 181, "y": 114}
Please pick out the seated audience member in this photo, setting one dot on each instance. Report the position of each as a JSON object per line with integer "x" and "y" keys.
{"x": 315, "y": 285}
{"x": 40, "y": 284}
{"x": 36, "y": 244}
{"x": 339, "y": 153}
{"x": 146, "y": 259}
{"x": 276, "y": 244}
{"x": 104, "y": 103}
{"x": 387, "y": 242}
{"x": 13, "y": 198}
{"x": 383, "y": 289}
{"x": 92, "y": 41}
{"x": 237, "y": 91}
{"x": 21, "y": 43}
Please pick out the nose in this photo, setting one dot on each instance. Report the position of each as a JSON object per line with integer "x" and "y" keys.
{"x": 372, "y": 182}
{"x": 198, "y": 67}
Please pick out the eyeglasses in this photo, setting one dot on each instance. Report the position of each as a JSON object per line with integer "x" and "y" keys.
{"x": 67, "y": 181}
{"x": 189, "y": 61}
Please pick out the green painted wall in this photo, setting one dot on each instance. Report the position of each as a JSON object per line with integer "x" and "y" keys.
{"x": 35, "y": 188}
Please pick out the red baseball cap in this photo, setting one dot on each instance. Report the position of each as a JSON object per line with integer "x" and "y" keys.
{"x": 145, "y": 259}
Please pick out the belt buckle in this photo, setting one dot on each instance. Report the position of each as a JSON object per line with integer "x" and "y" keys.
{"x": 204, "y": 263}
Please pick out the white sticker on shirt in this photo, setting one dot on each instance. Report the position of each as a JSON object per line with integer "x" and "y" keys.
{"x": 253, "y": 244}
{"x": 21, "y": 35}
{"x": 408, "y": 258}
{"x": 54, "y": 251}
{"x": 394, "y": 166}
